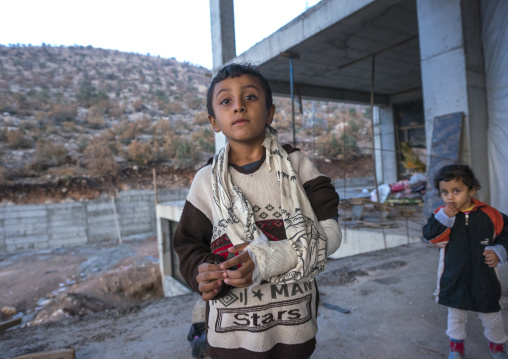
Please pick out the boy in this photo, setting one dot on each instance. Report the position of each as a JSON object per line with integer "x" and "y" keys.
{"x": 257, "y": 226}
{"x": 473, "y": 238}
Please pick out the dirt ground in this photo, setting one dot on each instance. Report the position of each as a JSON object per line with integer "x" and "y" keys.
{"x": 52, "y": 285}
{"x": 389, "y": 295}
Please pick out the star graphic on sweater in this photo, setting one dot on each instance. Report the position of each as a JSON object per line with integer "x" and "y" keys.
{"x": 258, "y": 294}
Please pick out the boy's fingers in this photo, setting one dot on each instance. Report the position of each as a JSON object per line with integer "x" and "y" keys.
{"x": 209, "y": 276}
{"x": 244, "y": 272}
{"x": 205, "y": 287}
{"x": 209, "y": 295}
{"x": 239, "y": 259}
{"x": 208, "y": 267}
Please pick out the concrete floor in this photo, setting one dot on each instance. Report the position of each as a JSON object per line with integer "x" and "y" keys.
{"x": 388, "y": 292}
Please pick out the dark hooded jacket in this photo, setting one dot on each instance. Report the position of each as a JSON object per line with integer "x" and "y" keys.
{"x": 466, "y": 281}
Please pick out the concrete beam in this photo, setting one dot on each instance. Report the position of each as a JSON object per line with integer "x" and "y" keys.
{"x": 324, "y": 14}
{"x": 281, "y": 88}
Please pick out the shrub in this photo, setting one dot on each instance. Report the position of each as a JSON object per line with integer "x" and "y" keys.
{"x": 3, "y": 175}
{"x": 88, "y": 95}
{"x": 69, "y": 126}
{"x": 130, "y": 130}
{"x": 201, "y": 119}
{"x": 169, "y": 146}
{"x": 204, "y": 140}
{"x": 96, "y": 122}
{"x": 99, "y": 160}
{"x": 161, "y": 128}
{"x": 50, "y": 153}
{"x": 18, "y": 140}
{"x": 138, "y": 105}
{"x": 61, "y": 113}
{"x": 141, "y": 153}
{"x": 329, "y": 146}
{"x": 65, "y": 171}
{"x": 3, "y": 133}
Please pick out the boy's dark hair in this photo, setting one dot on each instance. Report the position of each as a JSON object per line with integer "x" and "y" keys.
{"x": 234, "y": 70}
{"x": 456, "y": 172}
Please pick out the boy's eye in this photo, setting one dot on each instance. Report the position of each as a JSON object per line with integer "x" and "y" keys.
{"x": 250, "y": 97}
{"x": 224, "y": 102}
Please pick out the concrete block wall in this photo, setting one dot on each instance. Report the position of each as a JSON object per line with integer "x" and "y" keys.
{"x": 136, "y": 213}
{"x": 101, "y": 221}
{"x": 25, "y": 227}
{"x": 57, "y": 225}
{"x": 66, "y": 224}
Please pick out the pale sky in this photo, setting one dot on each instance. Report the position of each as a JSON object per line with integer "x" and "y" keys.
{"x": 168, "y": 28}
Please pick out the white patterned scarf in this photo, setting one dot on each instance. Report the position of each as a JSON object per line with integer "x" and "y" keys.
{"x": 302, "y": 227}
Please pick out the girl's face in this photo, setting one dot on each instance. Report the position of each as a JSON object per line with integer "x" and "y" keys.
{"x": 457, "y": 194}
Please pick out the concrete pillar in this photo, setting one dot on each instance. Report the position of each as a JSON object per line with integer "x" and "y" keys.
{"x": 495, "y": 38}
{"x": 384, "y": 142}
{"x": 453, "y": 76}
{"x": 222, "y": 20}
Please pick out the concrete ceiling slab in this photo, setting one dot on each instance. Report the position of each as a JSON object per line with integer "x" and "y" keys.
{"x": 335, "y": 41}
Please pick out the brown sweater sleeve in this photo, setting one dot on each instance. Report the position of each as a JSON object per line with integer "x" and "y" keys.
{"x": 191, "y": 242}
{"x": 323, "y": 197}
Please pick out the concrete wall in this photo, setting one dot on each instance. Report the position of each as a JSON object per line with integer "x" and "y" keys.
{"x": 47, "y": 226}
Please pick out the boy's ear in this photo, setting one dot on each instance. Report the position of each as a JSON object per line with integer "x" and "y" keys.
{"x": 472, "y": 191}
{"x": 271, "y": 112}
{"x": 214, "y": 123}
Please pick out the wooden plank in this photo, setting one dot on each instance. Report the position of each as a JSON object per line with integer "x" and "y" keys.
{"x": 55, "y": 354}
{"x": 10, "y": 323}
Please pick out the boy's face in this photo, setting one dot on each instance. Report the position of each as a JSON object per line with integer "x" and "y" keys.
{"x": 456, "y": 194}
{"x": 240, "y": 110}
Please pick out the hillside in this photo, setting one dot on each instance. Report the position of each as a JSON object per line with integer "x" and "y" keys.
{"x": 78, "y": 121}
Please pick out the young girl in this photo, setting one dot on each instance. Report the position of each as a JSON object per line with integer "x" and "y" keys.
{"x": 473, "y": 238}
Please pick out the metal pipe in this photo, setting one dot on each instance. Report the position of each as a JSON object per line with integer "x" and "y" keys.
{"x": 292, "y": 99}
{"x": 291, "y": 56}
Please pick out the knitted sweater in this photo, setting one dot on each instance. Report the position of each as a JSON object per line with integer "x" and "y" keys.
{"x": 271, "y": 320}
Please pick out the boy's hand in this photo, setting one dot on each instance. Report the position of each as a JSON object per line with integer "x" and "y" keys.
{"x": 491, "y": 258}
{"x": 210, "y": 280}
{"x": 241, "y": 277}
{"x": 451, "y": 210}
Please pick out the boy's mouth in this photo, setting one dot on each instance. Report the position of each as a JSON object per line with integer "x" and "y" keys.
{"x": 240, "y": 121}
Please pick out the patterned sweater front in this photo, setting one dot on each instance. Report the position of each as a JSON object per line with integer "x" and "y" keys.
{"x": 271, "y": 320}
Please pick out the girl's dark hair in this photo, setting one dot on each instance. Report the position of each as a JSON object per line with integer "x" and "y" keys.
{"x": 234, "y": 70}
{"x": 456, "y": 172}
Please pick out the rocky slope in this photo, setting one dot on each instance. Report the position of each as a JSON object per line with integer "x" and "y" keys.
{"x": 76, "y": 121}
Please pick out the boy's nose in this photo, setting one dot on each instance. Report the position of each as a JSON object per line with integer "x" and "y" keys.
{"x": 240, "y": 107}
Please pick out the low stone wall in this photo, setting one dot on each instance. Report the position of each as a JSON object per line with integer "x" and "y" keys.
{"x": 56, "y": 225}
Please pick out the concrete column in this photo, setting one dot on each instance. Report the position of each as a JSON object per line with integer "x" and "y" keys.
{"x": 453, "y": 76}
{"x": 384, "y": 142}
{"x": 222, "y": 20}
